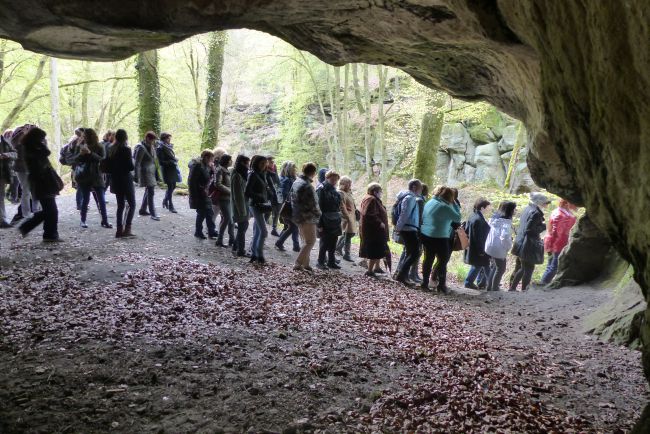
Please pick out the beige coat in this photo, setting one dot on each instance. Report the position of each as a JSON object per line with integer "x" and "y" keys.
{"x": 349, "y": 223}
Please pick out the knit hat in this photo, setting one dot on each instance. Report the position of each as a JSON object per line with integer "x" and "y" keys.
{"x": 539, "y": 199}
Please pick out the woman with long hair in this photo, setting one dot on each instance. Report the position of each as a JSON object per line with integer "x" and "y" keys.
{"x": 240, "y": 209}
{"x": 146, "y": 173}
{"x": 120, "y": 166}
{"x": 287, "y": 178}
{"x": 257, "y": 193}
{"x": 88, "y": 176}
{"x": 169, "y": 168}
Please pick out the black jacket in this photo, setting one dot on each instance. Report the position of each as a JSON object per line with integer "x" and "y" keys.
{"x": 528, "y": 245}
{"x": 41, "y": 174}
{"x": 329, "y": 202}
{"x": 257, "y": 189}
{"x": 168, "y": 163}
{"x": 477, "y": 230}
{"x": 119, "y": 164}
{"x": 198, "y": 181}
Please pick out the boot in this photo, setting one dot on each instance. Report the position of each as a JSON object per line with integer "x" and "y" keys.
{"x": 413, "y": 275}
{"x": 127, "y": 232}
{"x": 119, "y": 232}
{"x": 164, "y": 204}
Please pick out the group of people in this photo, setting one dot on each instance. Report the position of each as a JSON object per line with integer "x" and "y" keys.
{"x": 311, "y": 205}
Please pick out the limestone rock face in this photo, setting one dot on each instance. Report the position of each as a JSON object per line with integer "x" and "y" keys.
{"x": 576, "y": 72}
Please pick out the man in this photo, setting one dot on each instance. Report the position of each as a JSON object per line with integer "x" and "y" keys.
{"x": 27, "y": 204}
{"x": 273, "y": 180}
{"x": 407, "y": 225}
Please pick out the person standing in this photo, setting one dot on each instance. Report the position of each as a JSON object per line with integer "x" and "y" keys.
{"x": 44, "y": 182}
{"x": 287, "y": 178}
{"x": 373, "y": 229}
{"x": 557, "y": 236}
{"x": 477, "y": 229}
{"x": 439, "y": 214}
{"x": 146, "y": 173}
{"x": 349, "y": 224}
{"x": 499, "y": 243}
{"x": 257, "y": 194}
{"x": 276, "y": 199}
{"x": 329, "y": 224}
{"x": 408, "y": 225}
{"x": 169, "y": 169}
{"x": 198, "y": 181}
{"x": 7, "y": 156}
{"x": 119, "y": 164}
{"x": 528, "y": 245}
{"x": 88, "y": 176}
{"x": 28, "y": 204}
{"x": 240, "y": 209}
{"x": 305, "y": 213}
{"x": 222, "y": 182}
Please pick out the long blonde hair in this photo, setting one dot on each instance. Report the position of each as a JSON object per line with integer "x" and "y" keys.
{"x": 286, "y": 169}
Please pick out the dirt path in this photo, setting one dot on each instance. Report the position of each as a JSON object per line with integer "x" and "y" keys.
{"x": 166, "y": 333}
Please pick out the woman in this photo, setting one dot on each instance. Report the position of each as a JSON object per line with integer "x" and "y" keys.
{"x": 499, "y": 243}
{"x": 212, "y": 191}
{"x": 44, "y": 182}
{"x": 439, "y": 214}
{"x": 120, "y": 166}
{"x": 557, "y": 236}
{"x": 373, "y": 229}
{"x": 169, "y": 168}
{"x": 146, "y": 173}
{"x": 349, "y": 223}
{"x": 329, "y": 224}
{"x": 240, "y": 210}
{"x": 528, "y": 245}
{"x": 287, "y": 178}
{"x": 88, "y": 176}
{"x": 198, "y": 182}
{"x": 305, "y": 213}
{"x": 257, "y": 194}
{"x": 477, "y": 229}
{"x": 222, "y": 182}
{"x": 7, "y": 157}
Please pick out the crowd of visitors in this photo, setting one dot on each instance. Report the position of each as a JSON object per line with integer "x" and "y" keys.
{"x": 325, "y": 210}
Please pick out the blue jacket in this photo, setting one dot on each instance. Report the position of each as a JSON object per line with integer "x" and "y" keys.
{"x": 409, "y": 215}
{"x": 437, "y": 218}
{"x": 285, "y": 186}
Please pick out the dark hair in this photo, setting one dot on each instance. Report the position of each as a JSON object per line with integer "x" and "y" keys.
{"x": 164, "y": 136}
{"x": 150, "y": 135}
{"x": 119, "y": 140}
{"x": 455, "y": 191}
{"x": 33, "y": 137}
{"x": 425, "y": 190}
{"x": 414, "y": 183}
{"x": 240, "y": 165}
{"x": 309, "y": 169}
{"x": 481, "y": 203}
{"x": 91, "y": 139}
{"x": 507, "y": 209}
{"x": 446, "y": 194}
{"x": 255, "y": 162}
{"x": 225, "y": 160}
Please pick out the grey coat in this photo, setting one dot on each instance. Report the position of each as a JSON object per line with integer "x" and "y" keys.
{"x": 145, "y": 165}
{"x": 6, "y": 164}
{"x": 304, "y": 203}
{"x": 222, "y": 182}
{"x": 240, "y": 212}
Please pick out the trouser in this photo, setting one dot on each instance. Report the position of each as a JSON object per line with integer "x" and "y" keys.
{"x": 3, "y": 212}
{"x": 523, "y": 274}
{"x": 167, "y": 201}
{"x": 551, "y": 268}
{"x": 290, "y": 229}
{"x": 497, "y": 269}
{"x": 48, "y": 215}
{"x": 480, "y": 272}
{"x": 327, "y": 247}
{"x": 308, "y": 235}
{"x": 216, "y": 210}
{"x": 259, "y": 233}
{"x": 411, "y": 248}
{"x": 273, "y": 216}
{"x": 14, "y": 189}
{"x": 26, "y": 195}
{"x": 202, "y": 214}
{"x": 435, "y": 248}
{"x": 122, "y": 198}
{"x": 226, "y": 222}
{"x": 85, "y": 200}
{"x": 147, "y": 200}
{"x": 344, "y": 243}
{"x": 240, "y": 241}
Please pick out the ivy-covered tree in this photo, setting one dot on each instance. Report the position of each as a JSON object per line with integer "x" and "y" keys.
{"x": 148, "y": 92}
{"x": 216, "y": 49}
{"x": 424, "y": 167}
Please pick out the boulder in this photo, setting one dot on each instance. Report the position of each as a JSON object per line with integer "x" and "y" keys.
{"x": 507, "y": 141}
{"x": 488, "y": 164}
{"x": 454, "y": 138}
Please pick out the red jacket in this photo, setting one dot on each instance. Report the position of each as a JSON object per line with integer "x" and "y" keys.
{"x": 560, "y": 225}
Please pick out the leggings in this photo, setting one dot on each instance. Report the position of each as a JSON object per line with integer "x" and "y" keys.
{"x": 435, "y": 248}
{"x": 523, "y": 274}
{"x": 259, "y": 233}
{"x": 125, "y": 197}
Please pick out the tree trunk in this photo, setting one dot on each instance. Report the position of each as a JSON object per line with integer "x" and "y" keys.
{"x": 366, "y": 122}
{"x": 339, "y": 162}
{"x": 3, "y": 47}
{"x": 382, "y": 72}
{"x": 85, "y": 88}
{"x": 357, "y": 91}
{"x": 148, "y": 92}
{"x": 20, "y": 104}
{"x": 521, "y": 136}
{"x": 54, "y": 109}
{"x": 213, "y": 101}
{"x": 193, "y": 65}
{"x": 346, "y": 146}
{"x": 425, "y": 154}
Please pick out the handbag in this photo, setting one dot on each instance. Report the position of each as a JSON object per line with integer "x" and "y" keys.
{"x": 286, "y": 211}
{"x": 179, "y": 176}
{"x": 461, "y": 240}
{"x": 82, "y": 173}
{"x": 53, "y": 178}
{"x": 357, "y": 215}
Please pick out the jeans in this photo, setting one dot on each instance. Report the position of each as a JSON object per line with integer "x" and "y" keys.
{"x": 551, "y": 268}
{"x": 308, "y": 235}
{"x": 475, "y": 272}
{"x": 240, "y": 241}
{"x": 85, "y": 200}
{"x": 147, "y": 200}
{"x": 168, "y": 195}
{"x": 497, "y": 269}
{"x": 435, "y": 248}
{"x": 259, "y": 233}
{"x": 523, "y": 274}
{"x": 202, "y": 214}
{"x": 226, "y": 222}
{"x": 344, "y": 243}
{"x": 48, "y": 215}
{"x": 26, "y": 195}
{"x": 327, "y": 246}
{"x": 290, "y": 229}
{"x": 412, "y": 249}
{"x": 128, "y": 197}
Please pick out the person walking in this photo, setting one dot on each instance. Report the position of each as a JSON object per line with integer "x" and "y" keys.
{"x": 287, "y": 178}
{"x": 499, "y": 243}
{"x": 350, "y": 223}
{"x": 146, "y": 173}
{"x": 44, "y": 182}
{"x": 407, "y": 225}
{"x": 373, "y": 229}
{"x": 329, "y": 224}
{"x": 276, "y": 197}
{"x": 557, "y": 236}
{"x": 88, "y": 176}
{"x": 168, "y": 168}
{"x": 198, "y": 181}
{"x": 28, "y": 204}
{"x": 240, "y": 209}
{"x": 528, "y": 245}
{"x": 257, "y": 194}
{"x": 305, "y": 213}
{"x": 119, "y": 164}
{"x": 222, "y": 183}
{"x": 439, "y": 214}
{"x": 477, "y": 229}
{"x": 7, "y": 157}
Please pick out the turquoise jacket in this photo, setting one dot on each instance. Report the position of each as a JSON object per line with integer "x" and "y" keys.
{"x": 437, "y": 218}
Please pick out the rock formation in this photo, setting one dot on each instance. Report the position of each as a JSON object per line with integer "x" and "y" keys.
{"x": 576, "y": 72}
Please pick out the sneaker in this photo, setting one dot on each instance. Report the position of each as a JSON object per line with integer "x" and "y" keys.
{"x": 275, "y": 233}
{"x": 84, "y": 225}
{"x": 347, "y": 258}
{"x": 155, "y": 217}
{"x": 4, "y": 225}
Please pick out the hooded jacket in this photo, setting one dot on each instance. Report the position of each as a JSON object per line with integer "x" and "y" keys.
{"x": 557, "y": 238}
{"x": 528, "y": 245}
{"x": 477, "y": 230}
{"x": 409, "y": 214}
{"x": 499, "y": 240}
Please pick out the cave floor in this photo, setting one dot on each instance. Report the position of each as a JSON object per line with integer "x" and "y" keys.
{"x": 166, "y": 333}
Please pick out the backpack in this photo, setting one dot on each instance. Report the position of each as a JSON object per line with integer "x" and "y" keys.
{"x": 396, "y": 209}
